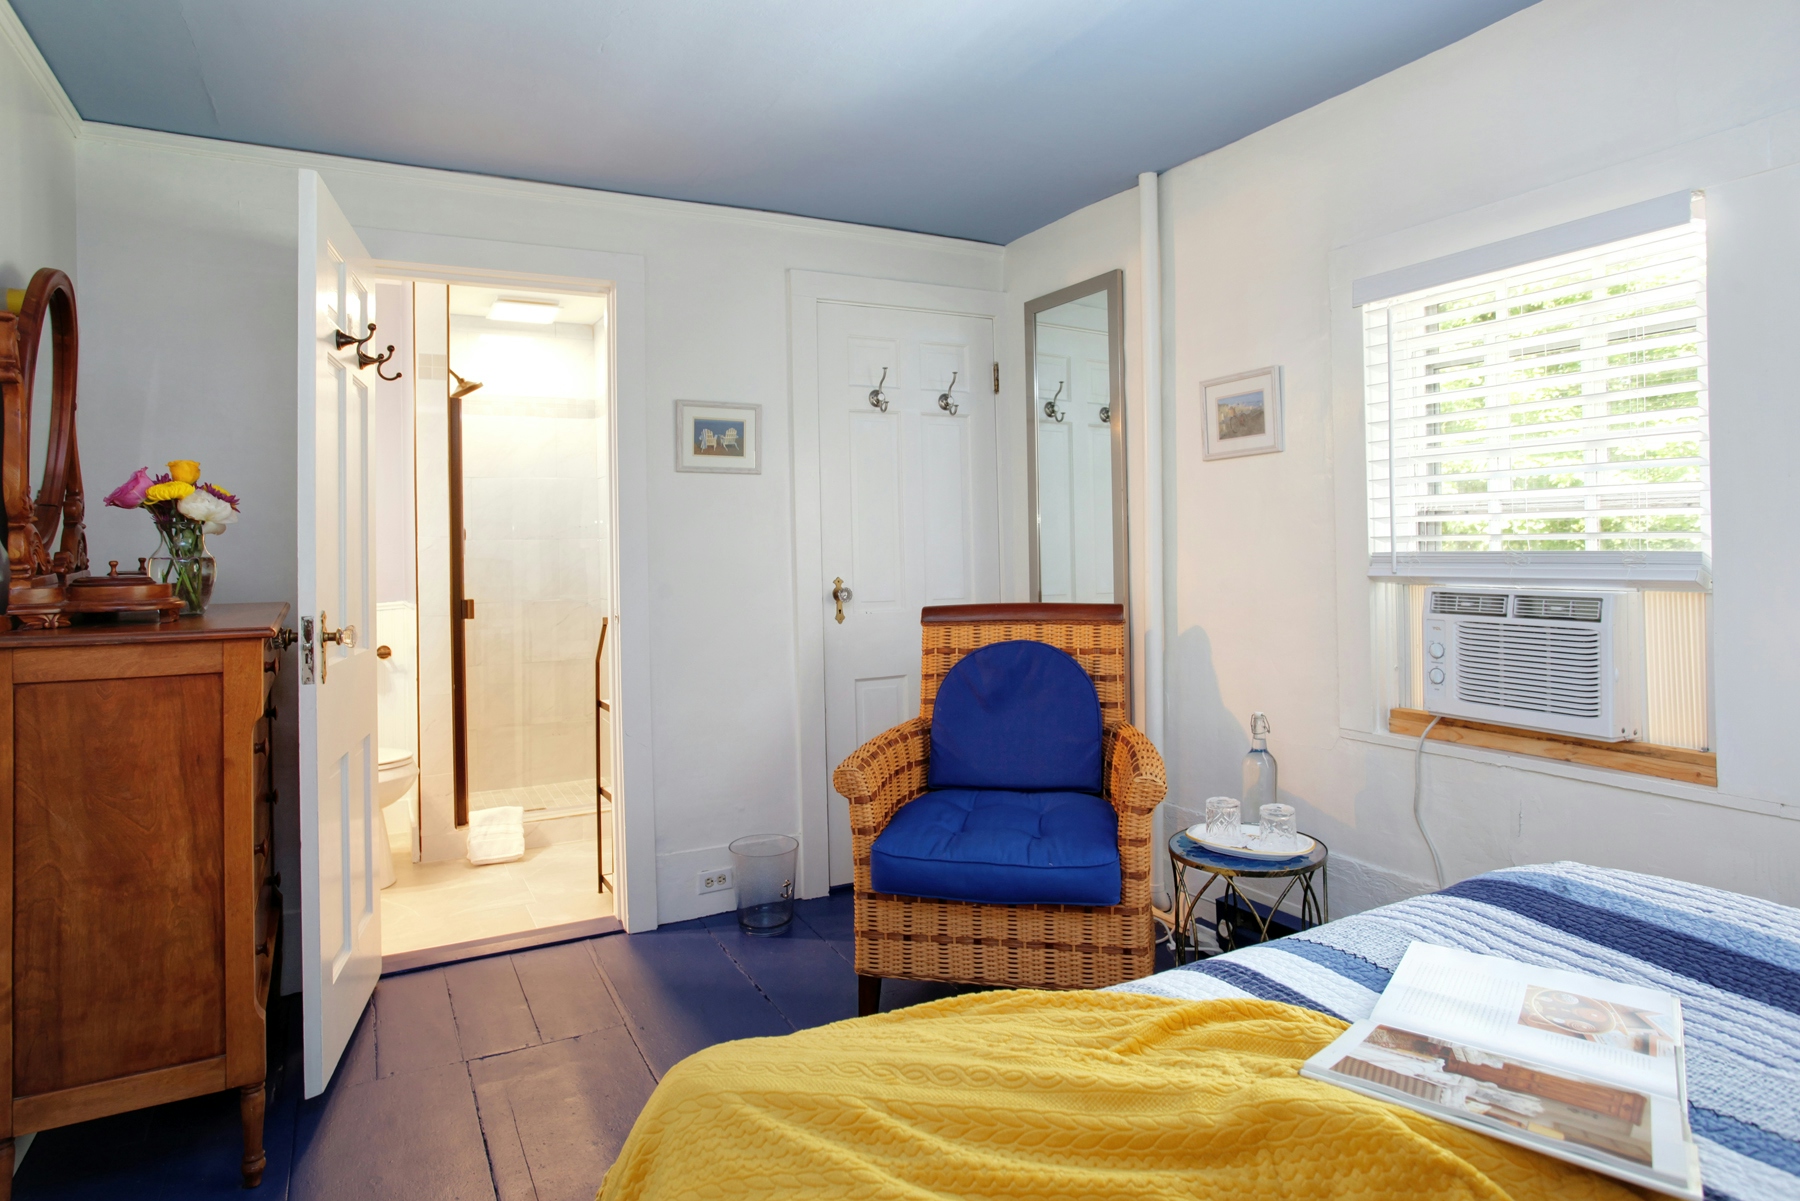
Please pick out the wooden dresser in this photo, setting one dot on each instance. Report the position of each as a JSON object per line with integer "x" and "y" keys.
{"x": 136, "y": 847}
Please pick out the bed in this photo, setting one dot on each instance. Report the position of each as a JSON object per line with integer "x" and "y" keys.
{"x": 1130, "y": 1092}
{"x": 1733, "y": 960}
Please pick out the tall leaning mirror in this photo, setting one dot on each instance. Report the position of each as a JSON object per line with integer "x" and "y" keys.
{"x": 1074, "y": 345}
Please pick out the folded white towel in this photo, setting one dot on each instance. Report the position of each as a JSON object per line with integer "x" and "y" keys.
{"x": 496, "y": 835}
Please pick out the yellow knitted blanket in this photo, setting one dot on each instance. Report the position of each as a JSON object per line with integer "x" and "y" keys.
{"x": 1053, "y": 1095}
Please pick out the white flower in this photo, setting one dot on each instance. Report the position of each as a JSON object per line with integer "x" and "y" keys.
{"x": 202, "y": 506}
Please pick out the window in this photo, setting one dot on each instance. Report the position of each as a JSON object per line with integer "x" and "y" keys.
{"x": 1548, "y": 404}
{"x": 1549, "y": 418}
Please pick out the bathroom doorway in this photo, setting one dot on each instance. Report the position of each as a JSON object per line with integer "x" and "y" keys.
{"x": 495, "y": 495}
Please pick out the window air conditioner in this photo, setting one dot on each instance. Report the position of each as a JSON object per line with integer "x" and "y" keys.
{"x": 1567, "y": 661}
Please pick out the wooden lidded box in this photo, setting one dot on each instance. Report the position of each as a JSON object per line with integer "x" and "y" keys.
{"x": 137, "y": 850}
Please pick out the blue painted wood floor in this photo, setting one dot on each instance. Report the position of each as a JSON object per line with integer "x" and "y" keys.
{"x": 514, "y": 1077}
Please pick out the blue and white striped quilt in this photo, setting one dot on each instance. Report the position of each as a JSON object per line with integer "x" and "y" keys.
{"x": 1733, "y": 960}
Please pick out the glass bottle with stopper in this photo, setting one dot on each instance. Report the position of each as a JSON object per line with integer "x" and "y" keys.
{"x": 1259, "y": 768}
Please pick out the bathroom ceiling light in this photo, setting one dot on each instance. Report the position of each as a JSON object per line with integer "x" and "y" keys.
{"x": 529, "y": 312}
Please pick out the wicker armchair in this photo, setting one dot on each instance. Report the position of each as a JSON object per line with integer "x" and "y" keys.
{"x": 1021, "y": 946}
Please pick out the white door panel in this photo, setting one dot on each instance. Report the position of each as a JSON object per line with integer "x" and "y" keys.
{"x": 909, "y": 507}
{"x": 945, "y": 461}
{"x": 877, "y": 562}
{"x": 340, "y": 914}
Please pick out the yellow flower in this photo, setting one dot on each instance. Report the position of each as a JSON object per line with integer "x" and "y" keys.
{"x": 185, "y": 471}
{"x": 173, "y": 490}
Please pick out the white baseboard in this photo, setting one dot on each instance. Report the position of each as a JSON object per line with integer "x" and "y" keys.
{"x": 677, "y": 876}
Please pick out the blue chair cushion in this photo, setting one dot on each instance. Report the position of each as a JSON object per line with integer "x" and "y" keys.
{"x": 1016, "y": 715}
{"x": 997, "y": 847}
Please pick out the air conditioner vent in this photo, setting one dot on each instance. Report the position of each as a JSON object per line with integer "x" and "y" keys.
{"x": 1540, "y": 669}
{"x": 1557, "y": 608}
{"x": 1479, "y": 604}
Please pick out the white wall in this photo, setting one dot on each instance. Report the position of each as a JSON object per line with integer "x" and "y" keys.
{"x": 185, "y": 251}
{"x": 1568, "y": 108}
{"x": 37, "y": 165}
{"x": 189, "y": 250}
{"x": 1100, "y": 238}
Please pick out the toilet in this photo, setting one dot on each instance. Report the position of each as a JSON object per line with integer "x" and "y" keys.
{"x": 395, "y": 773}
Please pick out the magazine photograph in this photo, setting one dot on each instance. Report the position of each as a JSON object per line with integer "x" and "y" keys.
{"x": 1585, "y": 1070}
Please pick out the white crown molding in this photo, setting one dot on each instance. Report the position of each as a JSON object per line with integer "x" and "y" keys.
{"x": 12, "y": 32}
{"x": 619, "y": 202}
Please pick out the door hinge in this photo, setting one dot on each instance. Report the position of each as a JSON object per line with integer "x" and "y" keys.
{"x": 996, "y": 379}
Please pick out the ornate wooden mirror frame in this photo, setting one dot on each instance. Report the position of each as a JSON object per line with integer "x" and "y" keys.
{"x": 35, "y": 592}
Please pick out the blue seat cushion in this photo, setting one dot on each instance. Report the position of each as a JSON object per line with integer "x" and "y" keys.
{"x": 1016, "y": 715}
{"x": 1004, "y": 848}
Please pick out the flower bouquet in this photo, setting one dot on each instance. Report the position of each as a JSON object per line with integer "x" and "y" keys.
{"x": 185, "y": 512}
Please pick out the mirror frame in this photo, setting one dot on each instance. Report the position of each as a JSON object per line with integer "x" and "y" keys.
{"x": 1113, "y": 285}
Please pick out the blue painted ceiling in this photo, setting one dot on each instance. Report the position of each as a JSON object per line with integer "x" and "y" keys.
{"x": 980, "y": 119}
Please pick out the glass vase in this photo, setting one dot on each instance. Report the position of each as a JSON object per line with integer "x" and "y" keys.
{"x": 182, "y": 562}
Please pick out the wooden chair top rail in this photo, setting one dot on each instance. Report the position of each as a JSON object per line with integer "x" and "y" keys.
{"x": 1021, "y": 613}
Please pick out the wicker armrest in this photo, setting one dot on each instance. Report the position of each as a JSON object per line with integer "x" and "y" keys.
{"x": 1135, "y": 784}
{"x": 1135, "y": 781}
{"x": 880, "y": 776}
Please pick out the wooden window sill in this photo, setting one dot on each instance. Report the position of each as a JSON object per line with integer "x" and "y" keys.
{"x": 1641, "y": 758}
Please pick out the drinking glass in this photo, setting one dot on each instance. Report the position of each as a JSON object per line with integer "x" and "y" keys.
{"x": 1278, "y": 832}
{"x": 1223, "y": 824}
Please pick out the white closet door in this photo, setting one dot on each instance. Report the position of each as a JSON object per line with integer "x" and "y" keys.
{"x": 910, "y": 507}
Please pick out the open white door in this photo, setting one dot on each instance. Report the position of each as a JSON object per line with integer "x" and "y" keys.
{"x": 340, "y": 910}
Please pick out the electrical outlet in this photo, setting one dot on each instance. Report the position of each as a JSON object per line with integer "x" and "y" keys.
{"x": 716, "y": 880}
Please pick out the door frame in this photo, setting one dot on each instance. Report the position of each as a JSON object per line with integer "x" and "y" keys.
{"x": 449, "y": 259}
{"x": 806, "y": 291}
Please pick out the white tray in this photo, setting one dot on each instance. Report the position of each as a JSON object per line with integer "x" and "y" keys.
{"x": 1248, "y": 848}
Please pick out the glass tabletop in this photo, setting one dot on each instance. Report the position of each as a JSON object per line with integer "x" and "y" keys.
{"x": 1186, "y": 850}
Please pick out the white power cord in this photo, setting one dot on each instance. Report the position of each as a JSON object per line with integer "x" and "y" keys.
{"x": 1418, "y": 817}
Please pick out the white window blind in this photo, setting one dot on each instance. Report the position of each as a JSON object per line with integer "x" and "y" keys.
{"x": 1546, "y": 421}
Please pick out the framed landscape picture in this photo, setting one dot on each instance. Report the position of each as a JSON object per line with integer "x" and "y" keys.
{"x": 1242, "y": 414}
{"x": 715, "y": 436}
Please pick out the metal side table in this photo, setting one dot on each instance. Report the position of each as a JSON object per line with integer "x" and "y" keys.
{"x": 1185, "y": 853}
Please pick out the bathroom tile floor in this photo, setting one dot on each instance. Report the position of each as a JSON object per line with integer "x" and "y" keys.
{"x": 434, "y": 904}
{"x": 510, "y": 1078}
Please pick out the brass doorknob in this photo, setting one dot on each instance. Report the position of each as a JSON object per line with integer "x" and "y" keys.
{"x": 345, "y": 638}
{"x": 384, "y": 652}
{"x": 840, "y": 594}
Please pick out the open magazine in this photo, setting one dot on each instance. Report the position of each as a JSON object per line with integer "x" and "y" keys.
{"x": 1587, "y": 1070}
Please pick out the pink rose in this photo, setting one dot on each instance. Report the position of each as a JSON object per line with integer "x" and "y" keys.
{"x": 130, "y": 494}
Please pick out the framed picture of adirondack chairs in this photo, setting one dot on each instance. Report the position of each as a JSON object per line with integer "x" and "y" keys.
{"x": 716, "y": 436}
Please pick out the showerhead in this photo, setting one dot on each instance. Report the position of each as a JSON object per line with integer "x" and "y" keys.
{"x": 463, "y": 386}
